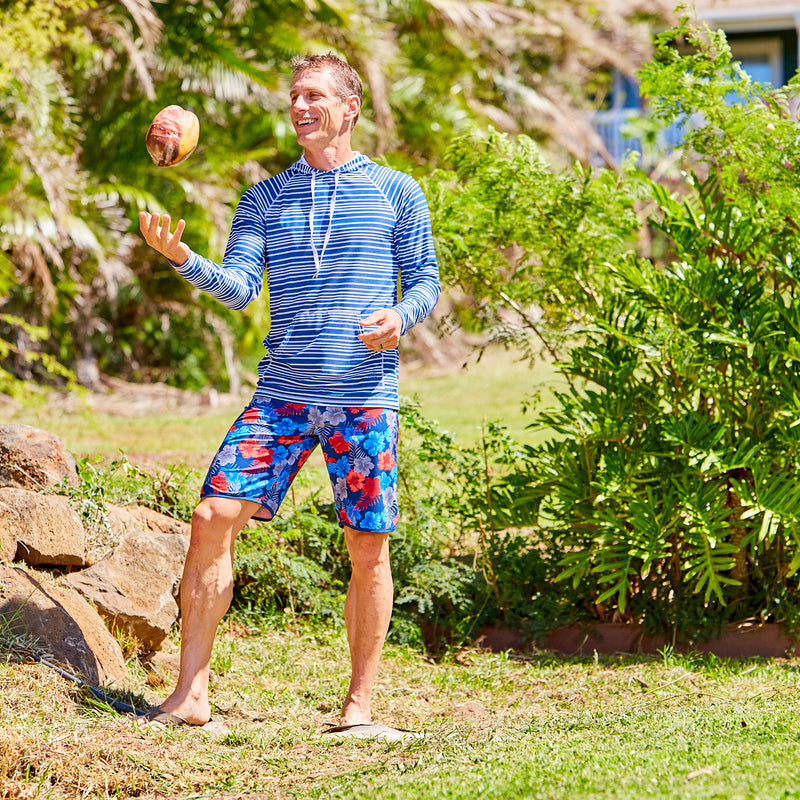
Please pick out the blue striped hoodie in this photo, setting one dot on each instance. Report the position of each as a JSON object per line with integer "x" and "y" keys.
{"x": 333, "y": 244}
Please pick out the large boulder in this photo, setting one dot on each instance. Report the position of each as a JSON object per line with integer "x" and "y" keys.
{"x": 9, "y": 530}
{"x": 44, "y": 529}
{"x": 135, "y": 587}
{"x": 122, "y": 519}
{"x": 34, "y": 459}
{"x": 60, "y": 626}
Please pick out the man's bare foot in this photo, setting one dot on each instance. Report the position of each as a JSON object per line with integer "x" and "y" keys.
{"x": 353, "y": 714}
{"x": 183, "y": 713}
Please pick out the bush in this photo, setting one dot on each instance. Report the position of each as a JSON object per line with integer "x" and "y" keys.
{"x": 667, "y": 493}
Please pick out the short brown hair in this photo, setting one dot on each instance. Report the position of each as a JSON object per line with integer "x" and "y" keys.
{"x": 346, "y": 81}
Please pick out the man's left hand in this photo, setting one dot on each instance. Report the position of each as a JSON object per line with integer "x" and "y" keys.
{"x": 386, "y": 334}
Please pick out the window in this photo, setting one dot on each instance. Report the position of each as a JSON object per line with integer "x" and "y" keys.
{"x": 761, "y": 59}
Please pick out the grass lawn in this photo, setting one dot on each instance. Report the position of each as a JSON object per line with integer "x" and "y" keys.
{"x": 500, "y": 726}
{"x": 496, "y": 725}
{"x": 490, "y": 390}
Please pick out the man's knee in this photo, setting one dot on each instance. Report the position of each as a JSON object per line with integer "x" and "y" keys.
{"x": 216, "y": 520}
{"x": 369, "y": 552}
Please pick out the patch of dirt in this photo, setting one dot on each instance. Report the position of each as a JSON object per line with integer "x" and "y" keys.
{"x": 125, "y": 399}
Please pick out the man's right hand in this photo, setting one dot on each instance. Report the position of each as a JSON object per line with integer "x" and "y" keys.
{"x": 155, "y": 230}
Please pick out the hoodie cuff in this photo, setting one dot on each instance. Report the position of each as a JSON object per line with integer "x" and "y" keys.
{"x": 406, "y": 318}
{"x": 188, "y": 266}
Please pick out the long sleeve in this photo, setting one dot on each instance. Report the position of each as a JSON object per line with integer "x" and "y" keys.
{"x": 419, "y": 272}
{"x": 238, "y": 280}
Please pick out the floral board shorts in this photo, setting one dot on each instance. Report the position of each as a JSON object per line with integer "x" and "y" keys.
{"x": 272, "y": 439}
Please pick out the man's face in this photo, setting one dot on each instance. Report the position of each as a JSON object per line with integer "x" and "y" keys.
{"x": 319, "y": 116}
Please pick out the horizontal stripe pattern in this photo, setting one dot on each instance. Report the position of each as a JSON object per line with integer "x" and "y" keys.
{"x": 380, "y": 235}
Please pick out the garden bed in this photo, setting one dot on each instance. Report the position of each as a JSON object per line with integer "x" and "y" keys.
{"x": 739, "y": 640}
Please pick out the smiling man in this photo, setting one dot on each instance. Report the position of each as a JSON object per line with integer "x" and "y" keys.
{"x": 334, "y": 233}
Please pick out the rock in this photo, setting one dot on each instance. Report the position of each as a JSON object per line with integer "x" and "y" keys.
{"x": 61, "y": 627}
{"x": 34, "y": 459}
{"x": 44, "y": 528}
{"x": 162, "y": 668}
{"x": 9, "y": 529}
{"x": 135, "y": 587}
{"x": 122, "y": 519}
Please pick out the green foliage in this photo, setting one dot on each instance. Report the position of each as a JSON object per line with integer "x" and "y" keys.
{"x": 31, "y": 28}
{"x": 671, "y": 482}
{"x": 42, "y": 364}
{"x": 271, "y": 578}
{"x": 491, "y": 573}
{"x": 172, "y": 491}
{"x": 668, "y": 493}
{"x": 520, "y": 237}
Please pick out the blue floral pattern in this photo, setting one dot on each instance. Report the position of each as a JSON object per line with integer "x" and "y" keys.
{"x": 271, "y": 440}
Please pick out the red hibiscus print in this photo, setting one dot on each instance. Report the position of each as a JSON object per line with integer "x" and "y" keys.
{"x": 253, "y": 414}
{"x": 386, "y": 460}
{"x": 219, "y": 483}
{"x": 251, "y": 448}
{"x": 372, "y": 487}
{"x": 355, "y": 480}
{"x": 339, "y": 443}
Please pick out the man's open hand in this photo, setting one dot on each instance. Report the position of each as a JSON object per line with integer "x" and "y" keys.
{"x": 156, "y": 233}
{"x": 386, "y": 334}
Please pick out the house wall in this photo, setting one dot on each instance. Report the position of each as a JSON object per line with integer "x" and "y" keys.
{"x": 764, "y": 38}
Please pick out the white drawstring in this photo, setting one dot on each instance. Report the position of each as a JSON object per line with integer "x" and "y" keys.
{"x": 319, "y": 256}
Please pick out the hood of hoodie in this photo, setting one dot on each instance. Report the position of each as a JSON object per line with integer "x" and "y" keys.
{"x": 355, "y": 163}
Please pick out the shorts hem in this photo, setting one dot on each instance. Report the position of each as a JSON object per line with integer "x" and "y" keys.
{"x": 364, "y": 530}
{"x": 256, "y": 515}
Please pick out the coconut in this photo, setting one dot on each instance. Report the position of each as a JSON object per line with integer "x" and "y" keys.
{"x": 172, "y": 136}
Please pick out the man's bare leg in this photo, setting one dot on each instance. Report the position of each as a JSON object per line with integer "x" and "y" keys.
{"x": 367, "y": 613}
{"x": 206, "y": 593}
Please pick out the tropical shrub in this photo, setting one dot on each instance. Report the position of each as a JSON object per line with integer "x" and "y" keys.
{"x": 668, "y": 490}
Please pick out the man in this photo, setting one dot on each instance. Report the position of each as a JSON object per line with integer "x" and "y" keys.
{"x": 333, "y": 232}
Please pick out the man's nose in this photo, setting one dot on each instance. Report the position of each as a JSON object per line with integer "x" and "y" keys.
{"x": 299, "y": 104}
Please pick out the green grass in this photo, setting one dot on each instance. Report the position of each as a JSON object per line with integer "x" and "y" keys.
{"x": 497, "y": 726}
{"x": 494, "y": 389}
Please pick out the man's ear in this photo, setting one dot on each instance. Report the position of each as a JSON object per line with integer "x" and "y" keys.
{"x": 353, "y": 106}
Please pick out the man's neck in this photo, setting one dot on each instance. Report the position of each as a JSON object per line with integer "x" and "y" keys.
{"x": 328, "y": 158}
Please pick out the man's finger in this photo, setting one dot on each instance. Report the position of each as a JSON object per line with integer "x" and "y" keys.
{"x": 165, "y": 223}
{"x": 373, "y": 319}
